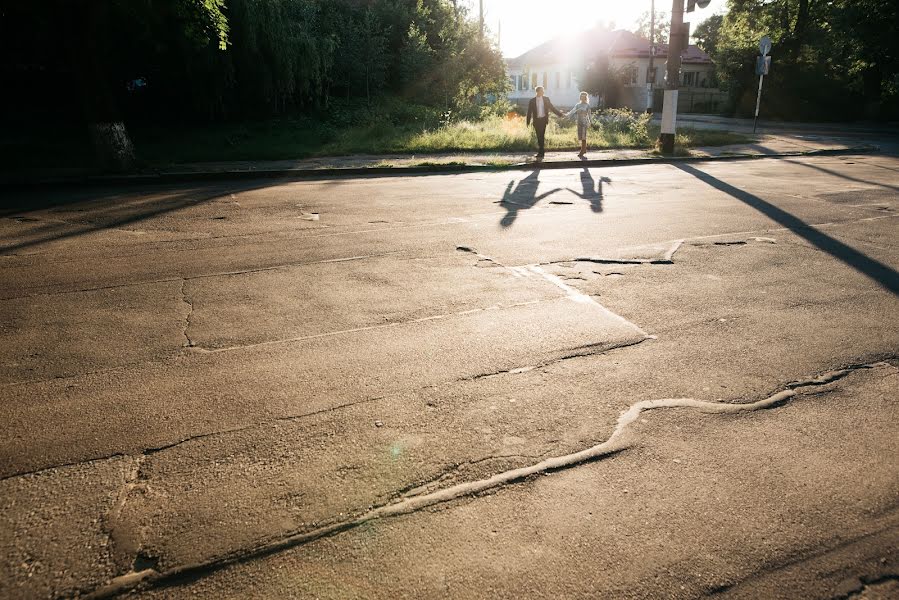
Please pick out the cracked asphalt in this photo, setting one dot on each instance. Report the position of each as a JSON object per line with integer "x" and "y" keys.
{"x": 661, "y": 381}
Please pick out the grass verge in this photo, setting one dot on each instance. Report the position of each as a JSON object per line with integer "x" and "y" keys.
{"x": 296, "y": 139}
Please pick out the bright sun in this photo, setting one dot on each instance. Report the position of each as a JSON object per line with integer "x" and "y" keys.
{"x": 527, "y": 23}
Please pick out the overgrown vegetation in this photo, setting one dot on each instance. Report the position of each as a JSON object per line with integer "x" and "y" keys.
{"x": 166, "y": 63}
{"x": 615, "y": 128}
{"x": 831, "y": 59}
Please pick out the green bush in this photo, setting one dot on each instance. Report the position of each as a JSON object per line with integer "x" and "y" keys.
{"x": 634, "y": 125}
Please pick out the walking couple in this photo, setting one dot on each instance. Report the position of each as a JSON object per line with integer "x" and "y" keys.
{"x": 539, "y": 109}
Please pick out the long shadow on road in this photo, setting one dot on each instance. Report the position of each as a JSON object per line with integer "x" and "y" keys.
{"x": 591, "y": 190}
{"x": 876, "y": 270}
{"x": 522, "y": 197}
{"x": 106, "y": 209}
{"x": 841, "y": 175}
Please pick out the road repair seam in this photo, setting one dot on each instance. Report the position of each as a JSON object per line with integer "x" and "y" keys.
{"x": 667, "y": 258}
{"x": 581, "y": 297}
{"x": 570, "y": 292}
{"x": 410, "y": 504}
{"x": 372, "y": 327}
{"x": 301, "y": 238}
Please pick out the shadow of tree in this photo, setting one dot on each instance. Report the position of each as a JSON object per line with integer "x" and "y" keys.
{"x": 110, "y": 208}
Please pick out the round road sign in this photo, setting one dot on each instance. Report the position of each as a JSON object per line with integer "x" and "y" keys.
{"x": 765, "y": 45}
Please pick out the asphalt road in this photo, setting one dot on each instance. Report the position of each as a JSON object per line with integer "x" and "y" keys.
{"x": 663, "y": 381}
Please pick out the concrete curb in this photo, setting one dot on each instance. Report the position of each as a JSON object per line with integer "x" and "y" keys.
{"x": 433, "y": 169}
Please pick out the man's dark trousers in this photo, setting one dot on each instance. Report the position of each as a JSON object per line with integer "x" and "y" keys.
{"x": 540, "y": 128}
{"x": 540, "y": 122}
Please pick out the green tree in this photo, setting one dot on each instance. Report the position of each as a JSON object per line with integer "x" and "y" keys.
{"x": 604, "y": 80}
{"x": 707, "y": 33}
{"x": 832, "y": 59}
{"x": 662, "y": 27}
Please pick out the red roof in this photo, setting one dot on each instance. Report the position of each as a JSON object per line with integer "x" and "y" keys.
{"x": 586, "y": 46}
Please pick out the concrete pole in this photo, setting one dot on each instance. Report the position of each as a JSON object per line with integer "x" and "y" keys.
{"x": 482, "y": 18}
{"x": 669, "y": 108}
{"x": 652, "y": 36}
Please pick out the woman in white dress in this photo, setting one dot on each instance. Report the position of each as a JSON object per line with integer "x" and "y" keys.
{"x": 582, "y": 110}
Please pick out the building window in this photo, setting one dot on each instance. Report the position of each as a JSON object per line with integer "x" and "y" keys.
{"x": 630, "y": 76}
{"x": 533, "y": 80}
{"x": 568, "y": 82}
{"x": 545, "y": 80}
{"x": 558, "y": 80}
{"x": 690, "y": 78}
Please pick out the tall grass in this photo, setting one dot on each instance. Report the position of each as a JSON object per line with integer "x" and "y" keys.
{"x": 296, "y": 139}
{"x": 511, "y": 134}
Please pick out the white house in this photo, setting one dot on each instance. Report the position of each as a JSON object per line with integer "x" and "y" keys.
{"x": 557, "y": 65}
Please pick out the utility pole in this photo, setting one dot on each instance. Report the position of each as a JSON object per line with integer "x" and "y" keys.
{"x": 652, "y": 53}
{"x": 482, "y": 17}
{"x": 672, "y": 77}
{"x": 678, "y": 38}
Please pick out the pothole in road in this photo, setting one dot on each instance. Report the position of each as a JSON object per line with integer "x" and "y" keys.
{"x": 143, "y": 561}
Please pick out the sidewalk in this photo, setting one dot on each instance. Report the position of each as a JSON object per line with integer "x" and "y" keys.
{"x": 404, "y": 164}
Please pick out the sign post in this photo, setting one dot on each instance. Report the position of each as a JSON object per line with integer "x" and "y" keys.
{"x": 762, "y": 66}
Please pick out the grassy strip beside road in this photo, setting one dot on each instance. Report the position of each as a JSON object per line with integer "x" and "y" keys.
{"x": 411, "y": 132}
{"x": 288, "y": 139}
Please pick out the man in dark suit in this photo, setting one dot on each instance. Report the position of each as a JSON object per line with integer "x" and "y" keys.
{"x": 539, "y": 108}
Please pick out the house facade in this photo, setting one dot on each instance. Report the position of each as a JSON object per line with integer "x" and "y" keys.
{"x": 558, "y": 65}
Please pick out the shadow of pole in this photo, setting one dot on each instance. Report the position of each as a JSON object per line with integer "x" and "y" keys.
{"x": 879, "y": 272}
{"x": 840, "y": 175}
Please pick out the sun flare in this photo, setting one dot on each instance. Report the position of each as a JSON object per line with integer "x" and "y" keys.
{"x": 523, "y": 24}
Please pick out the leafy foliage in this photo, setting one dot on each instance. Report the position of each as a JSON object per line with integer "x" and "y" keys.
{"x": 210, "y": 60}
{"x": 604, "y": 80}
{"x": 662, "y": 27}
{"x": 831, "y": 59}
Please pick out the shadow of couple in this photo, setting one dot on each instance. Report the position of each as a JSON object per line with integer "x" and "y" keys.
{"x": 523, "y": 195}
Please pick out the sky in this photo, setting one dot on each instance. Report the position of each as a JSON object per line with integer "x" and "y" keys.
{"x": 527, "y": 23}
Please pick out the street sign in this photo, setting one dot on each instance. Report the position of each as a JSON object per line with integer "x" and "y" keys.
{"x": 762, "y": 66}
{"x": 683, "y": 34}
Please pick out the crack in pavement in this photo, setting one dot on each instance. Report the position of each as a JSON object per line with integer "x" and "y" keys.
{"x": 667, "y": 258}
{"x": 865, "y": 583}
{"x": 371, "y": 327}
{"x": 614, "y": 444}
{"x": 277, "y": 267}
{"x": 588, "y": 350}
{"x": 188, "y": 343}
{"x": 579, "y": 352}
{"x": 577, "y": 296}
{"x": 570, "y": 292}
{"x": 167, "y": 279}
